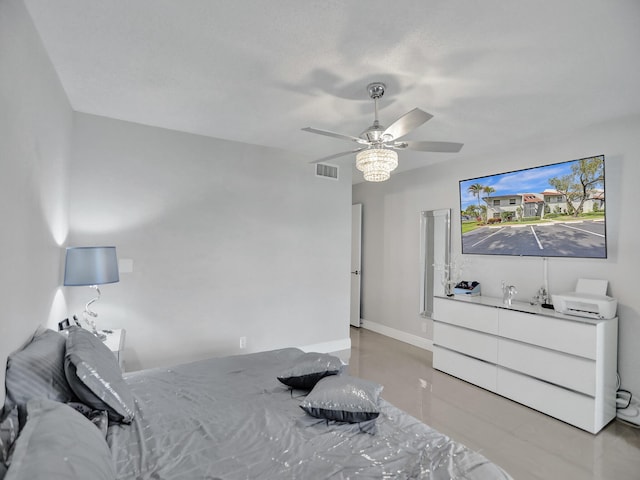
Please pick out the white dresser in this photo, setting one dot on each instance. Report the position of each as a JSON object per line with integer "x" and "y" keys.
{"x": 561, "y": 365}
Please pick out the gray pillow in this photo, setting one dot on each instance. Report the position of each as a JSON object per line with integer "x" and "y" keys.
{"x": 344, "y": 399}
{"x": 37, "y": 371}
{"x": 307, "y": 369}
{"x": 58, "y": 443}
{"x": 95, "y": 376}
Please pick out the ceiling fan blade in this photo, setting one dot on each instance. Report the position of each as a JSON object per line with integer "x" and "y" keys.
{"x": 336, "y": 135}
{"x": 444, "y": 147}
{"x": 407, "y": 123}
{"x": 336, "y": 155}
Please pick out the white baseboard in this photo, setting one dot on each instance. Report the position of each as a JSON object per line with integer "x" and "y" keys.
{"x": 328, "y": 347}
{"x": 405, "y": 337}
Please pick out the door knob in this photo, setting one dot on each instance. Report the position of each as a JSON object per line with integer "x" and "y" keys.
{"x": 356, "y": 272}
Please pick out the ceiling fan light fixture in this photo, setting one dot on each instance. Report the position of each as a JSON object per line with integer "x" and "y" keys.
{"x": 376, "y": 163}
{"x": 376, "y": 156}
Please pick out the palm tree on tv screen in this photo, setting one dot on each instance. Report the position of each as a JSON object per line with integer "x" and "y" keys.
{"x": 476, "y": 189}
{"x": 488, "y": 191}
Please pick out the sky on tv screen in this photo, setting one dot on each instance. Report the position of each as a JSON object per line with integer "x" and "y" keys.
{"x": 533, "y": 180}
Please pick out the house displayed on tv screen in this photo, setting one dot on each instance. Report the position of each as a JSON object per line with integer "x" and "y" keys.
{"x": 527, "y": 205}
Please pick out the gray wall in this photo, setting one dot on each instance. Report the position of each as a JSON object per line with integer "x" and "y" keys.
{"x": 35, "y": 137}
{"x": 227, "y": 240}
{"x": 391, "y": 210}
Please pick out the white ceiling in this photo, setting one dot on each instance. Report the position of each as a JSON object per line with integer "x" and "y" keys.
{"x": 491, "y": 72}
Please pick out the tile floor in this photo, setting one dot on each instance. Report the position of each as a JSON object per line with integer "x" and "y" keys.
{"x": 527, "y": 444}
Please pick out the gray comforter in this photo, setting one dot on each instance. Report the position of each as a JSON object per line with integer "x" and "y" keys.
{"x": 230, "y": 418}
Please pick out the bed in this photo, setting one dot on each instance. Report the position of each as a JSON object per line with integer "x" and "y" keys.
{"x": 282, "y": 414}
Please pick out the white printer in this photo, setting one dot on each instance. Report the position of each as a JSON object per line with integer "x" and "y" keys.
{"x": 589, "y": 300}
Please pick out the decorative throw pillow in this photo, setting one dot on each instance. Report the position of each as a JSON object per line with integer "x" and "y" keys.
{"x": 306, "y": 370}
{"x": 9, "y": 429}
{"x": 99, "y": 418}
{"x": 59, "y": 443}
{"x": 344, "y": 399}
{"x": 37, "y": 371}
{"x": 95, "y": 376}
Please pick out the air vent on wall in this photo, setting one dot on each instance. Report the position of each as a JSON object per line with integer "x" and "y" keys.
{"x": 326, "y": 171}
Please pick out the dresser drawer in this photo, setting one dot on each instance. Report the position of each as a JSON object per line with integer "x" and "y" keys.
{"x": 571, "y": 407}
{"x": 474, "y": 371}
{"x": 471, "y": 342}
{"x": 476, "y": 317}
{"x": 576, "y": 338}
{"x": 575, "y": 373}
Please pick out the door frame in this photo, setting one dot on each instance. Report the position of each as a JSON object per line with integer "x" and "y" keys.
{"x": 355, "y": 316}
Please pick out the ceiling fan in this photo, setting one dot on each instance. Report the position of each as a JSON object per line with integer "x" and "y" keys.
{"x": 376, "y": 155}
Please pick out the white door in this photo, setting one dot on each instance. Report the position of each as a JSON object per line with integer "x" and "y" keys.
{"x": 356, "y": 239}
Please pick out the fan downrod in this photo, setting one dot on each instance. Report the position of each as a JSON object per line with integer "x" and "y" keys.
{"x": 373, "y": 134}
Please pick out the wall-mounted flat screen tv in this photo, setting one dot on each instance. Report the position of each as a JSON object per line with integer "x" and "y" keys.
{"x": 555, "y": 210}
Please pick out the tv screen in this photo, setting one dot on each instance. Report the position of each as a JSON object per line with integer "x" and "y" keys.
{"x": 556, "y": 210}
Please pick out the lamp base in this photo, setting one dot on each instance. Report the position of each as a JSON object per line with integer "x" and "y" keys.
{"x": 89, "y": 317}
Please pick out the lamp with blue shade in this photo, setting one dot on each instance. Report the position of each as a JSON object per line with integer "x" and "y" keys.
{"x": 91, "y": 266}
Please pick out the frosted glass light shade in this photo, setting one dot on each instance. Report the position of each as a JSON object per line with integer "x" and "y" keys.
{"x": 376, "y": 163}
{"x": 90, "y": 266}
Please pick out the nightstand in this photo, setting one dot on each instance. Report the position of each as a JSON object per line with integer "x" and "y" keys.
{"x": 115, "y": 343}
